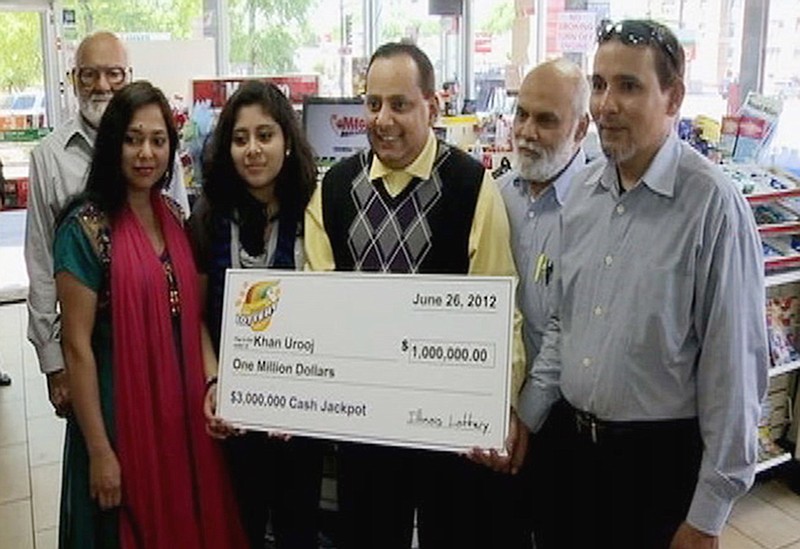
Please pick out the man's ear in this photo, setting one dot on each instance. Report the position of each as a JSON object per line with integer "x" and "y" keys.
{"x": 582, "y": 128}
{"x": 676, "y": 94}
{"x": 73, "y": 78}
{"x": 433, "y": 109}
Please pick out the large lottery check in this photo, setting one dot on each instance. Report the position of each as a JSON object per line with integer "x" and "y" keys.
{"x": 419, "y": 361}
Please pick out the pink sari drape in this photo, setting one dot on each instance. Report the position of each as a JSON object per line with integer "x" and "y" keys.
{"x": 175, "y": 490}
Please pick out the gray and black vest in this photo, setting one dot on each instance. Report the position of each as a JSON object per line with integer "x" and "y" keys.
{"x": 424, "y": 229}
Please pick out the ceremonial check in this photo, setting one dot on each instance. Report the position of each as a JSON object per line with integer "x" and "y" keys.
{"x": 421, "y": 361}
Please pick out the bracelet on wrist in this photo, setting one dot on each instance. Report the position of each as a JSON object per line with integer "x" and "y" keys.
{"x": 211, "y": 382}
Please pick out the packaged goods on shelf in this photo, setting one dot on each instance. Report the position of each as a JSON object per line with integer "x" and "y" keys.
{"x": 767, "y": 447}
{"x": 782, "y": 315}
{"x": 775, "y": 418}
{"x": 774, "y": 213}
{"x": 751, "y": 135}
{"x": 758, "y": 117}
{"x": 728, "y": 134}
{"x": 756, "y": 181}
{"x": 781, "y": 246}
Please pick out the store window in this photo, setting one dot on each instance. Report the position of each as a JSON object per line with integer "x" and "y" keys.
{"x": 333, "y": 47}
{"x": 149, "y": 28}
{"x": 23, "y": 116}
{"x": 436, "y": 35}
{"x": 782, "y": 79}
{"x": 709, "y": 30}
{"x": 493, "y": 26}
{"x": 21, "y": 62}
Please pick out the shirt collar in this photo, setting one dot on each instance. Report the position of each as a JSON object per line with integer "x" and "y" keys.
{"x": 562, "y": 183}
{"x": 80, "y": 129}
{"x": 660, "y": 175}
{"x": 421, "y": 167}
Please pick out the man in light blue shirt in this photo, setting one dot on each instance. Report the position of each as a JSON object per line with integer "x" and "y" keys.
{"x": 659, "y": 341}
{"x": 550, "y": 124}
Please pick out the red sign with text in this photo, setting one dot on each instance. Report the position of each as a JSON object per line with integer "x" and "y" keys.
{"x": 483, "y": 42}
{"x": 293, "y": 86}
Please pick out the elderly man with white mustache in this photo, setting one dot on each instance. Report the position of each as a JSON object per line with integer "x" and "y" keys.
{"x": 58, "y": 171}
{"x": 550, "y": 124}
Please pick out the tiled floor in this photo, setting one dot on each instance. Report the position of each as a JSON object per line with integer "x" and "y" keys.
{"x": 30, "y": 463}
{"x": 30, "y": 443}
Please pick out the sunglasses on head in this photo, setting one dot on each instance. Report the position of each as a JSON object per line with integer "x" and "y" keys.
{"x": 635, "y": 32}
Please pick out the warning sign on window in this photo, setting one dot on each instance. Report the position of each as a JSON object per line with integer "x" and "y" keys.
{"x": 576, "y": 31}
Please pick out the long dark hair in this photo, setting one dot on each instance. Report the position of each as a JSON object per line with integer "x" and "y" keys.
{"x": 227, "y": 193}
{"x": 106, "y": 185}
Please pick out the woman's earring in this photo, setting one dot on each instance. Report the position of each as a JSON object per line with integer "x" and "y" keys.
{"x": 288, "y": 152}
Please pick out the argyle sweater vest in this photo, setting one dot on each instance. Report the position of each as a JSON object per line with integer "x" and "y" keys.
{"x": 424, "y": 229}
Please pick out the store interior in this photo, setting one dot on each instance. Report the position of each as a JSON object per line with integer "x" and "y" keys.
{"x": 742, "y": 111}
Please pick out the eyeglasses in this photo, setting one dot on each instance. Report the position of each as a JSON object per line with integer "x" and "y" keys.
{"x": 638, "y": 32}
{"x": 87, "y": 76}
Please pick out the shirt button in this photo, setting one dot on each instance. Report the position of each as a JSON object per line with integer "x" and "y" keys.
{"x": 598, "y": 311}
{"x": 609, "y": 260}
{"x": 587, "y": 362}
{"x": 530, "y": 215}
{"x": 620, "y": 209}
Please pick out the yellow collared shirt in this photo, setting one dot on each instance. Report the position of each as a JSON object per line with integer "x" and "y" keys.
{"x": 489, "y": 238}
{"x": 397, "y": 180}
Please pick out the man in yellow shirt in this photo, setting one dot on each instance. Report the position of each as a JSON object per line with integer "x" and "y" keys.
{"x": 412, "y": 204}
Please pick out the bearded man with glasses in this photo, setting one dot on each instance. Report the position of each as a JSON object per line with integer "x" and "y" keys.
{"x": 658, "y": 343}
{"x": 58, "y": 171}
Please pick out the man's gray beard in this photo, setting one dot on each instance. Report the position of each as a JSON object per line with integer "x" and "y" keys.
{"x": 616, "y": 155}
{"x": 547, "y": 166}
{"x": 92, "y": 111}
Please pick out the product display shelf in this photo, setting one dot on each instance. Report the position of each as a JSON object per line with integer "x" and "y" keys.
{"x": 784, "y": 368}
{"x": 762, "y": 466}
{"x": 776, "y": 283}
{"x": 775, "y": 199}
{"x": 786, "y": 262}
{"x": 762, "y": 185}
{"x": 766, "y": 197}
{"x": 774, "y": 279}
{"x": 774, "y": 448}
{"x": 773, "y": 229}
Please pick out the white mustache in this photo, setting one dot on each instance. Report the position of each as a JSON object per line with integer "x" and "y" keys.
{"x": 530, "y": 146}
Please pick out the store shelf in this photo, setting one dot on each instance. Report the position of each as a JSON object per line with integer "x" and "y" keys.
{"x": 782, "y": 262}
{"x": 785, "y": 277}
{"x": 789, "y": 182}
{"x": 784, "y": 368}
{"x": 774, "y": 229}
{"x": 763, "y": 198}
{"x": 773, "y": 462}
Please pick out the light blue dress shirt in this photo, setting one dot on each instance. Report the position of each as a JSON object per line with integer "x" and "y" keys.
{"x": 661, "y": 315}
{"x": 534, "y": 224}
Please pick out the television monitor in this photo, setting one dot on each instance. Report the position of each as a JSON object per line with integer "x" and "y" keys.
{"x": 335, "y": 127}
{"x": 445, "y": 7}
